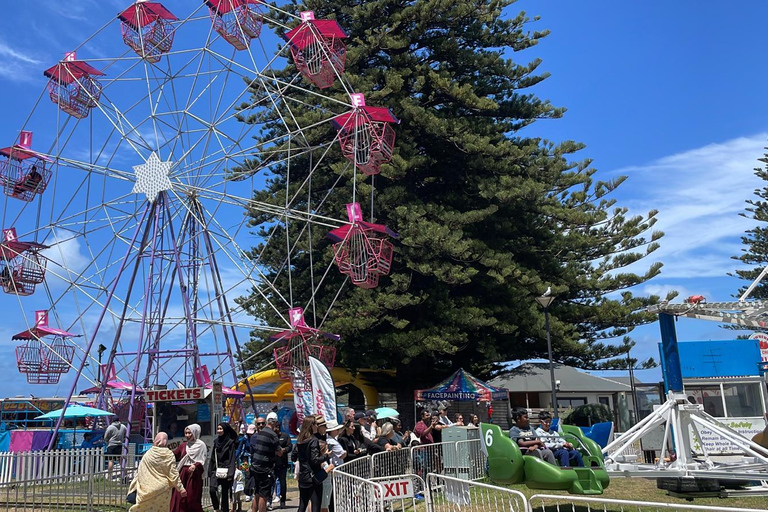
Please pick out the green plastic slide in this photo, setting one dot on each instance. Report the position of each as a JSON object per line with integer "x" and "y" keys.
{"x": 507, "y": 465}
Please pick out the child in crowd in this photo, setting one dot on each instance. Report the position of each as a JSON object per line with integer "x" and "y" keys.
{"x": 238, "y": 487}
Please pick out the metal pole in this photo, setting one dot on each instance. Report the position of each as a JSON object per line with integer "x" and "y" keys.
{"x": 551, "y": 364}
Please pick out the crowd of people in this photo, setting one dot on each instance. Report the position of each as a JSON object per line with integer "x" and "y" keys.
{"x": 250, "y": 470}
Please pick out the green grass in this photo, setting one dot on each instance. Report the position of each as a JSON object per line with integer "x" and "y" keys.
{"x": 641, "y": 489}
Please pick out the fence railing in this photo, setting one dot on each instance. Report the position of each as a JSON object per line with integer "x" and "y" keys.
{"x": 89, "y": 489}
{"x": 44, "y": 465}
{"x": 461, "y": 459}
{"x": 355, "y": 494}
{"x": 73, "y": 463}
{"x": 450, "y": 494}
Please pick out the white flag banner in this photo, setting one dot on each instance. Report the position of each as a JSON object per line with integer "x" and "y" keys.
{"x": 324, "y": 392}
{"x": 302, "y": 396}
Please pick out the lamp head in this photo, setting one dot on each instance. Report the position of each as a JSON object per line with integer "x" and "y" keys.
{"x": 545, "y": 301}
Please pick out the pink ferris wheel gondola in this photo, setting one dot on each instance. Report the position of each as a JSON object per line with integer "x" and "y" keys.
{"x": 301, "y": 342}
{"x": 362, "y": 251}
{"x": 366, "y": 135}
{"x": 237, "y": 21}
{"x": 318, "y": 49}
{"x": 72, "y": 86}
{"x": 147, "y": 29}
{"x": 21, "y": 264}
{"x": 47, "y": 352}
{"x": 24, "y": 173}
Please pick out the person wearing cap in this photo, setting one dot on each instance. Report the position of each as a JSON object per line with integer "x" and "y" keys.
{"x": 338, "y": 454}
{"x": 281, "y": 463}
{"x": 371, "y": 432}
{"x": 443, "y": 419}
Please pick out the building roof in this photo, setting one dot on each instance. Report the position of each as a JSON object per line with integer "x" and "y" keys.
{"x": 535, "y": 378}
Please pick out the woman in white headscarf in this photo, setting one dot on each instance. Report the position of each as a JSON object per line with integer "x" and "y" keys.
{"x": 156, "y": 477}
{"x": 191, "y": 457}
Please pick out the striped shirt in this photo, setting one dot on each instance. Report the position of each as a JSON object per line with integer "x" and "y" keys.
{"x": 264, "y": 445}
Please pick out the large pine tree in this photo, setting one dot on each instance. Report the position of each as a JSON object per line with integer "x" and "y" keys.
{"x": 489, "y": 215}
{"x": 755, "y": 251}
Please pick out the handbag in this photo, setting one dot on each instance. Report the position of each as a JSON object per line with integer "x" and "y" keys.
{"x": 221, "y": 473}
{"x": 320, "y": 475}
{"x": 131, "y": 498}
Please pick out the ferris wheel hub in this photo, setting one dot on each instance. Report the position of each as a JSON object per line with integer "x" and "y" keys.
{"x": 152, "y": 177}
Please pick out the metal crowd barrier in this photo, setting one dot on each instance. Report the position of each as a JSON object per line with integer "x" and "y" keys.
{"x": 449, "y": 494}
{"x": 396, "y": 462}
{"x": 355, "y": 494}
{"x": 89, "y": 491}
{"x": 401, "y": 492}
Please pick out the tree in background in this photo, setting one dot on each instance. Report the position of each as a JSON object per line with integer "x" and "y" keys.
{"x": 755, "y": 252}
{"x": 489, "y": 215}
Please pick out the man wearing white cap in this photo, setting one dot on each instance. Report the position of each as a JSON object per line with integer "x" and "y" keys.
{"x": 338, "y": 454}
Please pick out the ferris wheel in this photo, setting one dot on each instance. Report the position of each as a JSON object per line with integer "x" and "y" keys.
{"x": 126, "y": 234}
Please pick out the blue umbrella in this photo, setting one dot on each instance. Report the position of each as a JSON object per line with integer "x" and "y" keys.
{"x": 386, "y": 412}
{"x": 74, "y": 411}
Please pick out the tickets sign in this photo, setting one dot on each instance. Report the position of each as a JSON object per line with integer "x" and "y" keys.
{"x": 175, "y": 395}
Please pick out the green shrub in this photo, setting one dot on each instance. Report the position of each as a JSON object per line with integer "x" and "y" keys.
{"x": 588, "y": 414}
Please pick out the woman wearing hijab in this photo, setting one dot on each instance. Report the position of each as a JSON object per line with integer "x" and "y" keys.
{"x": 223, "y": 455}
{"x": 191, "y": 456}
{"x": 156, "y": 477}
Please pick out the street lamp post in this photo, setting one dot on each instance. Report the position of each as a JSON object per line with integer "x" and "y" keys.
{"x": 545, "y": 301}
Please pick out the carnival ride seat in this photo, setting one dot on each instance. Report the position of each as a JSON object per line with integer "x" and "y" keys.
{"x": 601, "y": 433}
{"x": 507, "y": 465}
{"x": 318, "y": 49}
{"x": 72, "y": 86}
{"x": 147, "y": 29}
{"x": 366, "y": 137}
{"x": 237, "y": 21}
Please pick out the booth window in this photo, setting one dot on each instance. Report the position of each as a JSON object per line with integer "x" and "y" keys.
{"x": 728, "y": 400}
{"x": 742, "y": 400}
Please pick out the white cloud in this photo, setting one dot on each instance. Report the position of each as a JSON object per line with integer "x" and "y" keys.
{"x": 699, "y": 195}
{"x": 19, "y": 65}
{"x": 9, "y": 53}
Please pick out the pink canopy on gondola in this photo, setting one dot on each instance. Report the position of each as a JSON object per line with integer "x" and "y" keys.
{"x": 375, "y": 114}
{"x": 302, "y": 36}
{"x": 21, "y": 153}
{"x": 11, "y": 249}
{"x": 225, "y": 6}
{"x": 339, "y": 234}
{"x": 67, "y": 72}
{"x": 114, "y": 385}
{"x": 42, "y": 330}
{"x": 144, "y": 13}
{"x": 227, "y": 391}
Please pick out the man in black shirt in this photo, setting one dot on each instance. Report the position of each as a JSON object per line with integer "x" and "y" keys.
{"x": 265, "y": 448}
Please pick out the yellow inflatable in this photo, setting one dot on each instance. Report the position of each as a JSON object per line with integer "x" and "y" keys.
{"x": 282, "y": 389}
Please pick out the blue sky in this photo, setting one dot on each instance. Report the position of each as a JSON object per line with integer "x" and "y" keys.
{"x": 670, "y": 94}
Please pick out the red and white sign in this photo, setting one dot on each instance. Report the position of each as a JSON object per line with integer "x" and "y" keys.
{"x": 762, "y": 339}
{"x": 397, "y": 489}
{"x": 175, "y": 395}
